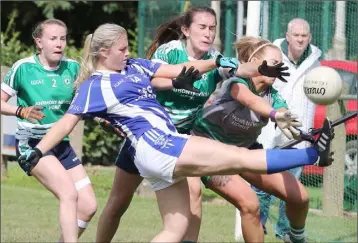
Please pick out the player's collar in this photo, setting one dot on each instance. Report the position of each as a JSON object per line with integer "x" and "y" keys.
{"x": 104, "y": 72}
{"x": 47, "y": 68}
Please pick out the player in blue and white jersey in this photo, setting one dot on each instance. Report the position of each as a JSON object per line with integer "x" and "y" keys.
{"x": 119, "y": 90}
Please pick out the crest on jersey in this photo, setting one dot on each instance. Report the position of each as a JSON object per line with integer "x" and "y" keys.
{"x": 67, "y": 81}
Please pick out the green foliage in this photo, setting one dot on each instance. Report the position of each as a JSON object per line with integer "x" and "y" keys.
{"x": 110, "y": 7}
{"x": 72, "y": 52}
{"x": 99, "y": 147}
{"x": 133, "y": 42}
{"x": 11, "y": 48}
{"x": 49, "y": 7}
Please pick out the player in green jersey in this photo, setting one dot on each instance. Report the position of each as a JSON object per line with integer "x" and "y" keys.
{"x": 186, "y": 38}
{"x": 236, "y": 116}
{"x": 43, "y": 84}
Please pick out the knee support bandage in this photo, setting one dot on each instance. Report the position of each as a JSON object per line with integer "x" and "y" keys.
{"x": 82, "y": 183}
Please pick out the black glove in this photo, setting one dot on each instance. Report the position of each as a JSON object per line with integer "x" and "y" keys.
{"x": 29, "y": 159}
{"x": 275, "y": 71}
{"x": 186, "y": 79}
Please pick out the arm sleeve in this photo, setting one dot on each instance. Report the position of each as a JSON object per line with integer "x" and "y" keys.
{"x": 12, "y": 80}
{"x": 278, "y": 101}
{"x": 234, "y": 80}
{"x": 149, "y": 67}
{"x": 164, "y": 54}
{"x": 79, "y": 101}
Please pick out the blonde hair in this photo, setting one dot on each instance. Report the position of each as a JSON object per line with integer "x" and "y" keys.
{"x": 249, "y": 47}
{"x": 103, "y": 37}
{"x": 39, "y": 28}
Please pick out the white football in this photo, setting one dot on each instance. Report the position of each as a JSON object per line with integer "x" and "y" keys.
{"x": 323, "y": 85}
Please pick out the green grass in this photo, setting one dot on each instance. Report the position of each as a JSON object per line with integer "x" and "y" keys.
{"x": 30, "y": 213}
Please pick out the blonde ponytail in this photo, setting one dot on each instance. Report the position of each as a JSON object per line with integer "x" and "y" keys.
{"x": 87, "y": 65}
{"x": 103, "y": 37}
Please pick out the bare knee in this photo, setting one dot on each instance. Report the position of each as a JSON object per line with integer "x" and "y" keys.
{"x": 69, "y": 194}
{"x": 88, "y": 207}
{"x": 195, "y": 193}
{"x": 178, "y": 225}
{"x": 300, "y": 199}
{"x": 250, "y": 208}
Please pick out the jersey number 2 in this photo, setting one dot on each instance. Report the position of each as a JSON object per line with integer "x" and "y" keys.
{"x": 54, "y": 83}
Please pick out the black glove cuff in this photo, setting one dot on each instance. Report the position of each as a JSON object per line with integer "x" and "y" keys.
{"x": 38, "y": 152}
{"x": 217, "y": 60}
{"x": 175, "y": 84}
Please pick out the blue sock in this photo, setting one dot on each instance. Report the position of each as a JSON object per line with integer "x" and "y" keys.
{"x": 284, "y": 159}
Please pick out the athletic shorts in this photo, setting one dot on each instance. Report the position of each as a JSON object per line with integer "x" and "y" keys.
{"x": 63, "y": 152}
{"x": 153, "y": 157}
{"x": 206, "y": 179}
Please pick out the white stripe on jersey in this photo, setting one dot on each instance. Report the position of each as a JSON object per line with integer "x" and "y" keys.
{"x": 113, "y": 107}
{"x": 7, "y": 89}
{"x": 159, "y": 61}
{"x": 181, "y": 112}
{"x": 28, "y": 125}
{"x": 17, "y": 65}
{"x": 88, "y": 97}
{"x": 142, "y": 69}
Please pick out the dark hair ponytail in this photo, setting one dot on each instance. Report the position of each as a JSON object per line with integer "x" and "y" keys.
{"x": 164, "y": 33}
{"x": 172, "y": 30}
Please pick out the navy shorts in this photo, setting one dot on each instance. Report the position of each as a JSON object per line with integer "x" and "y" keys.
{"x": 63, "y": 152}
{"x": 125, "y": 159}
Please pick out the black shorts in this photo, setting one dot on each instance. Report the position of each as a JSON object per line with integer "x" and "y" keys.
{"x": 63, "y": 152}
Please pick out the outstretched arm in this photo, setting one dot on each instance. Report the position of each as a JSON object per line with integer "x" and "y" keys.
{"x": 286, "y": 121}
{"x": 249, "y": 70}
{"x": 185, "y": 80}
{"x": 59, "y": 131}
{"x": 172, "y": 71}
{"x": 241, "y": 93}
{"x": 203, "y": 66}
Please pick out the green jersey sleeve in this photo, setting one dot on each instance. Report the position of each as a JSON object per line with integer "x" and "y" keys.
{"x": 278, "y": 101}
{"x": 166, "y": 54}
{"x": 12, "y": 80}
{"x": 235, "y": 80}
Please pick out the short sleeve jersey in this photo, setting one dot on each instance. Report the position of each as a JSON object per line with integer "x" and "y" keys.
{"x": 229, "y": 121}
{"x": 182, "y": 105}
{"x": 126, "y": 99}
{"x": 33, "y": 84}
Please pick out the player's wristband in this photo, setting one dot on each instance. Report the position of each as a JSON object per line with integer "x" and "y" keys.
{"x": 272, "y": 115}
{"x": 18, "y": 112}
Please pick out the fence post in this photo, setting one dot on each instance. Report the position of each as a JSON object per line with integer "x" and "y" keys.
{"x": 141, "y": 30}
{"x": 333, "y": 176}
{"x": 217, "y": 8}
{"x": 229, "y": 29}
